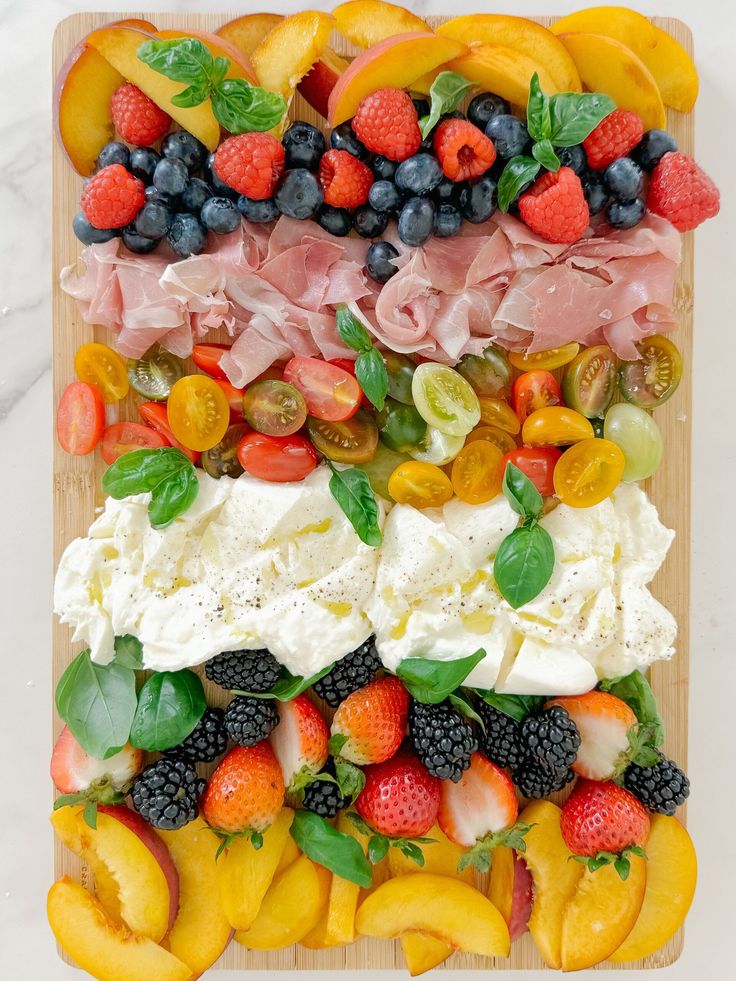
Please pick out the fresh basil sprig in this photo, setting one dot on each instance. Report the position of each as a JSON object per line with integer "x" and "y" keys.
{"x": 288, "y": 685}
{"x": 170, "y": 704}
{"x": 338, "y": 852}
{"x": 166, "y": 473}
{"x": 128, "y": 652}
{"x": 446, "y": 93}
{"x": 634, "y": 689}
{"x": 517, "y": 707}
{"x": 431, "y": 681}
{"x": 370, "y": 368}
{"x": 353, "y": 492}
{"x": 238, "y": 106}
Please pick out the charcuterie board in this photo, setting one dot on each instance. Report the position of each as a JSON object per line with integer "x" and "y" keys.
{"x": 77, "y": 493}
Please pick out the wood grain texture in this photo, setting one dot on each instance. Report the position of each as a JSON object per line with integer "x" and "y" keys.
{"x": 77, "y": 492}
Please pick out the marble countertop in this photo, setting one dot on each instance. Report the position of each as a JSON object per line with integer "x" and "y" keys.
{"x": 27, "y": 951}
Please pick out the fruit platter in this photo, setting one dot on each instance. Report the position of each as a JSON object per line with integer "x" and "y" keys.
{"x": 372, "y": 345}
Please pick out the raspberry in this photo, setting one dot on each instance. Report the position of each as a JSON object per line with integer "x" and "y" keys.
{"x": 555, "y": 207}
{"x": 112, "y": 197}
{"x": 345, "y": 180}
{"x": 613, "y": 137}
{"x": 137, "y": 118}
{"x": 462, "y": 150}
{"x": 387, "y": 122}
{"x": 681, "y": 192}
{"x": 250, "y": 163}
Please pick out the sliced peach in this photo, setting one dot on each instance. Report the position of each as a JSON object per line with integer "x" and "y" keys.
{"x": 104, "y": 949}
{"x": 201, "y": 930}
{"x": 240, "y": 66}
{"x": 397, "y": 61}
{"x": 605, "y": 65}
{"x": 366, "y": 22}
{"x": 447, "y": 909}
{"x": 290, "y": 854}
{"x": 321, "y": 79}
{"x": 441, "y": 858}
{"x": 290, "y": 49}
{"x": 422, "y": 952}
{"x": 672, "y": 871}
{"x": 497, "y": 69}
{"x": 67, "y": 829}
{"x": 526, "y": 36}
{"x": 247, "y": 32}
{"x": 510, "y": 889}
{"x": 244, "y": 874}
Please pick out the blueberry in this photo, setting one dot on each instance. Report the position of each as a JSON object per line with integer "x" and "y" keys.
{"x": 195, "y": 194}
{"x": 652, "y": 147}
{"x": 384, "y": 196}
{"x": 421, "y": 106}
{"x": 378, "y": 261}
{"x": 416, "y": 221}
{"x": 626, "y": 214}
{"x": 343, "y": 138}
{"x": 88, "y": 234}
{"x": 484, "y": 106}
{"x": 510, "y": 136}
{"x": 170, "y": 176}
{"x": 595, "y": 190}
{"x": 113, "y": 153}
{"x": 219, "y": 187}
{"x": 447, "y": 190}
{"x": 478, "y": 199}
{"x": 185, "y": 147}
{"x": 624, "y": 179}
{"x": 186, "y": 236}
{"x": 220, "y": 215}
{"x": 336, "y": 221}
{"x": 573, "y": 157}
{"x": 139, "y": 244}
{"x": 368, "y": 222}
{"x": 383, "y": 168}
{"x": 304, "y": 145}
{"x": 153, "y": 194}
{"x": 258, "y": 211}
{"x": 143, "y": 160}
{"x": 447, "y": 220}
{"x": 299, "y": 194}
{"x": 419, "y": 174}
{"x": 153, "y": 220}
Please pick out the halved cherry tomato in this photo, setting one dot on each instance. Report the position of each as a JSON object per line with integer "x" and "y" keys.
{"x": 207, "y": 358}
{"x": 350, "y": 441}
{"x": 444, "y": 399}
{"x": 401, "y": 426}
{"x": 379, "y": 469}
{"x": 234, "y": 397}
{"x": 154, "y": 414}
{"x": 198, "y": 412}
{"x": 99, "y": 365}
{"x": 122, "y": 437}
{"x": 555, "y": 426}
{"x": 538, "y": 463}
{"x": 347, "y": 365}
{"x": 555, "y": 357}
{"x": 222, "y": 460}
{"x": 80, "y": 418}
{"x": 400, "y": 370}
{"x": 534, "y": 390}
{"x": 330, "y": 392}
{"x": 274, "y": 407}
{"x": 154, "y": 375}
{"x": 421, "y": 485}
{"x": 589, "y": 382}
{"x": 496, "y": 412}
{"x": 477, "y": 472}
{"x": 280, "y": 459}
{"x": 589, "y": 472}
{"x": 488, "y": 373}
{"x": 652, "y": 379}
{"x": 492, "y": 434}
{"x": 436, "y": 447}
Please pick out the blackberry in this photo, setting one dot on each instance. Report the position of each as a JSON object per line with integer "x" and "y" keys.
{"x": 534, "y": 780}
{"x": 166, "y": 793}
{"x": 661, "y": 788}
{"x": 500, "y": 742}
{"x": 205, "y": 742}
{"x": 551, "y": 740}
{"x": 323, "y": 797}
{"x": 442, "y": 739}
{"x": 350, "y": 673}
{"x": 249, "y": 720}
{"x": 253, "y": 671}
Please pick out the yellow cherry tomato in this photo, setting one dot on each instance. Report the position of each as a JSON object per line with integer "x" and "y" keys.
{"x": 198, "y": 412}
{"x": 421, "y": 485}
{"x": 477, "y": 472}
{"x": 588, "y": 472}
{"x": 492, "y": 434}
{"x": 555, "y": 425}
{"x": 496, "y": 412}
{"x": 98, "y": 364}
{"x": 555, "y": 357}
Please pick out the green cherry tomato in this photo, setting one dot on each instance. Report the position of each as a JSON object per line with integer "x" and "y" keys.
{"x": 589, "y": 381}
{"x": 637, "y": 435}
{"x": 400, "y": 373}
{"x": 353, "y": 440}
{"x": 652, "y": 379}
{"x": 488, "y": 373}
{"x": 275, "y": 408}
{"x": 401, "y": 427}
{"x": 598, "y": 425}
{"x": 437, "y": 447}
{"x": 155, "y": 374}
{"x": 444, "y": 399}
{"x": 222, "y": 459}
{"x": 379, "y": 469}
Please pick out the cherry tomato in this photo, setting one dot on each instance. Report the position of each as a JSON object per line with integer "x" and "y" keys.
{"x": 488, "y": 373}
{"x": 534, "y": 390}
{"x": 222, "y": 460}
{"x": 588, "y": 472}
{"x": 347, "y": 365}
{"x": 330, "y": 392}
{"x": 496, "y": 412}
{"x": 401, "y": 426}
{"x": 274, "y": 407}
{"x": 155, "y": 415}
{"x": 155, "y": 374}
{"x": 538, "y": 463}
{"x": 437, "y": 447}
{"x": 207, "y": 358}
{"x": 351, "y": 441}
{"x": 280, "y": 459}
{"x": 99, "y": 365}
{"x": 652, "y": 379}
{"x": 122, "y": 437}
{"x": 379, "y": 469}
{"x": 234, "y": 397}
{"x": 400, "y": 370}
{"x": 492, "y": 434}
{"x": 421, "y": 485}
{"x": 637, "y": 434}
{"x": 477, "y": 472}
{"x": 444, "y": 399}
{"x": 80, "y": 418}
{"x": 555, "y": 426}
{"x": 589, "y": 381}
{"x": 555, "y": 357}
{"x": 198, "y": 412}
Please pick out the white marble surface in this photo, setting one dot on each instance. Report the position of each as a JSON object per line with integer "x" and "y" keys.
{"x": 27, "y": 951}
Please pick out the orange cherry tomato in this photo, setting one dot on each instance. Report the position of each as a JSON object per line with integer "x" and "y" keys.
{"x": 589, "y": 472}
{"x": 280, "y": 459}
{"x": 234, "y": 397}
{"x": 492, "y": 434}
{"x": 80, "y": 418}
{"x": 538, "y": 463}
{"x": 198, "y": 412}
{"x": 555, "y": 357}
{"x": 154, "y": 414}
{"x": 498, "y": 413}
{"x": 535, "y": 390}
{"x": 207, "y": 358}
{"x": 330, "y": 392}
{"x": 122, "y": 437}
{"x": 99, "y": 365}
{"x": 421, "y": 485}
{"x": 477, "y": 473}
{"x": 555, "y": 426}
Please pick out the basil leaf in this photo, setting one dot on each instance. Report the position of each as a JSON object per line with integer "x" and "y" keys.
{"x": 544, "y": 153}
{"x": 353, "y": 492}
{"x": 170, "y": 704}
{"x": 431, "y": 681}
{"x": 290, "y": 685}
{"x": 193, "y": 95}
{"x": 465, "y": 707}
{"x": 370, "y": 370}
{"x": 574, "y": 115}
{"x": 97, "y": 702}
{"x": 517, "y": 173}
{"x": 128, "y": 652}
{"x": 338, "y": 852}
{"x": 523, "y": 564}
{"x": 219, "y": 70}
{"x": 182, "y": 59}
{"x": 515, "y": 706}
{"x": 243, "y": 108}
{"x": 173, "y": 496}
{"x": 634, "y": 689}
{"x": 140, "y": 471}
{"x": 538, "y": 120}
{"x": 351, "y": 331}
{"x": 446, "y": 93}
{"x": 521, "y": 493}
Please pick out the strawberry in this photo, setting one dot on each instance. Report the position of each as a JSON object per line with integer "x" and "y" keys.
{"x": 386, "y": 122}
{"x": 400, "y": 797}
{"x": 602, "y": 824}
{"x": 681, "y": 192}
{"x": 555, "y": 206}
{"x": 300, "y": 741}
{"x": 614, "y": 136}
{"x": 605, "y": 723}
{"x": 245, "y": 793}
{"x": 373, "y": 721}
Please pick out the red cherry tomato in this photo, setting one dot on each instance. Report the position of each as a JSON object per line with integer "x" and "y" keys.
{"x": 80, "y": 418}
{"x": 279, "y": 459}
{"x": 207, "y": 358}
{"x": 156, "y": 416}
{"x": 538, "y": 463}
{"x": 331, "y": 393}
{"x": 347, "y": 365}
{"x": 235, "y": 398}
{"x": 122, "y": 437}
{"x": 535, "y": 390}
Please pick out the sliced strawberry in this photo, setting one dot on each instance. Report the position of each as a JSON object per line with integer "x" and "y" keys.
{"x": 300, "y": 741}
{"x": 481, "y": 803}
{"x": 373, "y": 721}
{"x": 604, "y": 722}
{"x": 74, "y": 771}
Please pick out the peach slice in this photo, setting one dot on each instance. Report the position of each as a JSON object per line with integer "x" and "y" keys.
{"x": 522, "y": 35}
{"x": 67, "y": 829}
{"x": 447, "y": 909}
{"x": 106, "y": 950}
{"x": 396, "y": 61}
{"x": 321, "y": 79}
{"x": 289, "y": 855}
{"x": 605, "y": 65}
{"x": 510, "y": 888}
{"x": 247, "y": 32}
{"x": 440, "y": 858}
{"x": 201, "y": 931}
{"x": 366, "y": 22}
{"x": 672, "y": 871}
{"x": 290, "y": 49}
{"x": 498, "y": 69}
{"x": 422, "y": 952}
{"x": 240, "y": 66}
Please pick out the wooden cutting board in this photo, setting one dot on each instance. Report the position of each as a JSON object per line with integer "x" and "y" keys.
{"x": 77, "y": 492}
